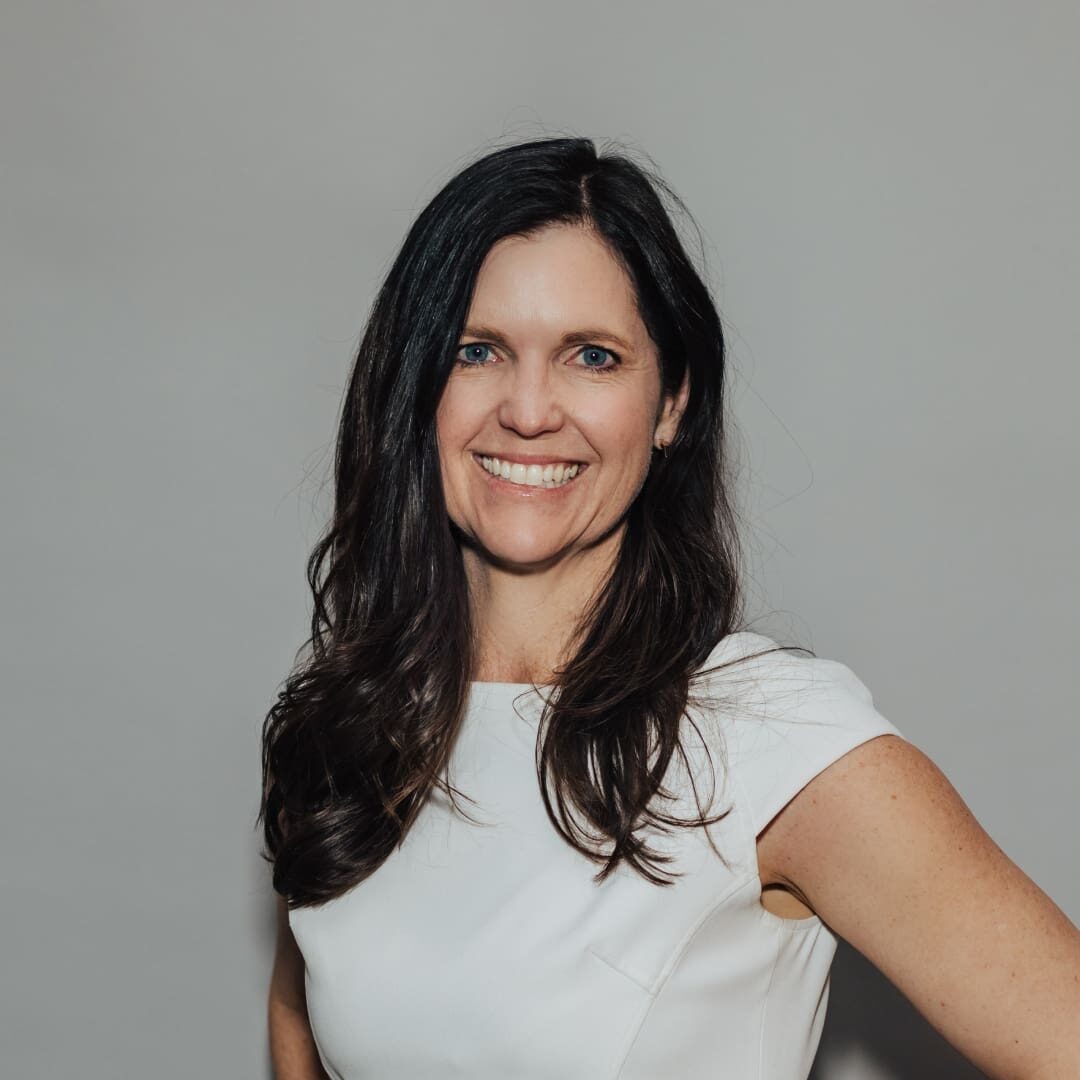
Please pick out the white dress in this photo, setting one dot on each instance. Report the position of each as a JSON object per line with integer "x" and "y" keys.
{"x": 488, "y": 952}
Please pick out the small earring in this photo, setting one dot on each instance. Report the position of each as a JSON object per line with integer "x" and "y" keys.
{"x": 662, "y": 447}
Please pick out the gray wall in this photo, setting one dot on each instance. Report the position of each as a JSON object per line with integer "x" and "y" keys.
{"x": 198, "y": 201}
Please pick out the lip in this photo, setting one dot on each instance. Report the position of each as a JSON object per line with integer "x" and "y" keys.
{"x": 528, "y": 459}
{"x": 528, "y": 490}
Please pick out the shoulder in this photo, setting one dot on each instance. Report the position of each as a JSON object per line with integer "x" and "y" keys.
{"x": 859, "y": 793}
{"x": 784, "y": 717}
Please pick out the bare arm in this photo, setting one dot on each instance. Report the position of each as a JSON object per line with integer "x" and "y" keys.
{"x": 292, "y": 1047}
{"x": 890, "y": 857}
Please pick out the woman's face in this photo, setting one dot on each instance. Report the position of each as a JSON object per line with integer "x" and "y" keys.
{"x": 555, "y": 370}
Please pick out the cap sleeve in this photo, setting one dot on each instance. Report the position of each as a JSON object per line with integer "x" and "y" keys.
{"x": 794, "y": 716}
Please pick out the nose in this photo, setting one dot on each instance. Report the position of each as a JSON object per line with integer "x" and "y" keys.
{"x": 530, "y": 402}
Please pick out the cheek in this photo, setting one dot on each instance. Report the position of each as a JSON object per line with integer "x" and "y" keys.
{"x": 621, "y": 433}
{"x": 456, "y": 423}
{"x": 452, "y": 424}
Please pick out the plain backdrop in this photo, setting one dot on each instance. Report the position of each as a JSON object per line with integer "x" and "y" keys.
{"x": 198, "y": 203}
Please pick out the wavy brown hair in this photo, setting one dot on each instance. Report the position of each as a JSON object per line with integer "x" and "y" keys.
{"x": 363, "y": 729}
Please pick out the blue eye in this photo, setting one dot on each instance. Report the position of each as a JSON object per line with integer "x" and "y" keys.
{"x": 592, "y": 350}
{"x": 474, "y": 360}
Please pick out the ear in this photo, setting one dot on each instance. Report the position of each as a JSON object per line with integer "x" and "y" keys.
{"x": 672, "y": 409}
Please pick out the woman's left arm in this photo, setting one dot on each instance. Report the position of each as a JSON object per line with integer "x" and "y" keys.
{"x": 884, "y": 850}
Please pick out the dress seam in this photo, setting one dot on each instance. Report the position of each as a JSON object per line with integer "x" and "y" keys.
{"x": 765, "y": 1006}
{"x": 672, "y": 963}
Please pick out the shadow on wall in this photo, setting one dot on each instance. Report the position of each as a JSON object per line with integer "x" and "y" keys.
{"x": 872, "y": 1030}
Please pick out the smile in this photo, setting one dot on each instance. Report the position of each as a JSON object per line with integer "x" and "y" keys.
{"x": 550, "y": 476}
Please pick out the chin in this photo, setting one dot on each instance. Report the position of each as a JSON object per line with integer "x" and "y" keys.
{"x": 521, "y": 552}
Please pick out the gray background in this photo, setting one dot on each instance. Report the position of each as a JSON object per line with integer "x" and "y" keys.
{"x": 199, "y": 200}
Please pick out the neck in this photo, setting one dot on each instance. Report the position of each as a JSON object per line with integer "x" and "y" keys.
{"x": 524, "y": 618}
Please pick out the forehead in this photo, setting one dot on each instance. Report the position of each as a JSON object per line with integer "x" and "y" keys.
{"x": 554, "y": 279}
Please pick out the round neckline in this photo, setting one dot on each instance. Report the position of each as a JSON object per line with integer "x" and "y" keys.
{"x": 514, "y": 685}
{"x": 480, "y": 684}
{"x": 525, "y": 700}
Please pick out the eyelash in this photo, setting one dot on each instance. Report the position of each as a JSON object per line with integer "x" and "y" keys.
{"x": 597, "y": 370}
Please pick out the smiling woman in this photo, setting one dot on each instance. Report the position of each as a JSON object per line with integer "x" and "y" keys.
{"x": 532, "y": 581}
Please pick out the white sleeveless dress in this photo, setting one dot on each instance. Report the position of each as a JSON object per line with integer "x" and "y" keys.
{"x": 488, "y": 952}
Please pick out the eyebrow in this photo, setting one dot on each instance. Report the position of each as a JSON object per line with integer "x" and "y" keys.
{"x": 585, "y": 336}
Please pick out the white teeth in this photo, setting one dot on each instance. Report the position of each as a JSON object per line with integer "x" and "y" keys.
{"x": 548, "y": 476}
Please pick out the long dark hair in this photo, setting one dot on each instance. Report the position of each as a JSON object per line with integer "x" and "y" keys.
{"x": 365, "y": 724}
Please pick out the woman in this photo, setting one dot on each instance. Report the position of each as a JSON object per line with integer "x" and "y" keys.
{"x": 529, "y": 600}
